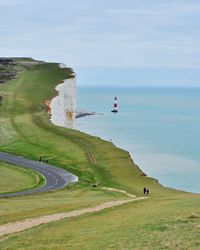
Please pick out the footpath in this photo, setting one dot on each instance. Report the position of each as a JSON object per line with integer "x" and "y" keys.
{"x": 32, "y": 222}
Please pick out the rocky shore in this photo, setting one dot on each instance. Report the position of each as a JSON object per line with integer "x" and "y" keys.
{"x": 84, "y": 114}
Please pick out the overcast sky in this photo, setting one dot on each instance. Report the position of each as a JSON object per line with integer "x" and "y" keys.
{"x": 151, "y": 42}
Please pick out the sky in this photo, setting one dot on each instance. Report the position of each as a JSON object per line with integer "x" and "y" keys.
{"x": 108, "y": 42}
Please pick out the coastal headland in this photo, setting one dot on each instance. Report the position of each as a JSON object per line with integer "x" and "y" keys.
{"x": 168, "y": 219}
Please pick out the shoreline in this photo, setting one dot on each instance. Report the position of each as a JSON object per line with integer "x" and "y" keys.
{"x": 124, "y": 149}
{"x": 161, "y": 179}
{"x": 157, "y": 156}
{"x": 81, "y": 114}
{"x": 136, "y": 165}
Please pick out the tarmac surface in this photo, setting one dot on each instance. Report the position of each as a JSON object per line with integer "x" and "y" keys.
{"x": 55, "y": 178}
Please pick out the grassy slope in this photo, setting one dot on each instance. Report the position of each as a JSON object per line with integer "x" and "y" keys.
{"x": 13, "y": 178}
{"x": 167, "y": 224}
{"x": 30, "y": 133}
{"x": 25, "y": 129}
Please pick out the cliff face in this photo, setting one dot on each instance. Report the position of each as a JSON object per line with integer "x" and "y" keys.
{"x": 63, "y": 106}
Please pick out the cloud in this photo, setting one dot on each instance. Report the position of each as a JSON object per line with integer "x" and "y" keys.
{"x": 11, "y": 3}
{"x": 113, "y": 33}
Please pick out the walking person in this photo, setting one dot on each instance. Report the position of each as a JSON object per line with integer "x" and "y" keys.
{"x": 144, "y": 190}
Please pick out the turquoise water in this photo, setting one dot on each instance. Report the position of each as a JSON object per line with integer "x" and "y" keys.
{"x": 160, "y": 127}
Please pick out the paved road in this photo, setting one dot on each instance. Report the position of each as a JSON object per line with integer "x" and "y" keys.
{"x": 55, "y": 177}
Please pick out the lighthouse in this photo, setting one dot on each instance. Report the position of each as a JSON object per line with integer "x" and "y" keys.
{"x": 115, "y": 109}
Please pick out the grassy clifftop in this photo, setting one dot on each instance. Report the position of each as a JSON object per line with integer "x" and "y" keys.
{"x": 30, "y": 133}
{"x": 169, "y": 219}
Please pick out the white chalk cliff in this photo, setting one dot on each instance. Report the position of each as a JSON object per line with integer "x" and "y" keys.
{"x": 63, "y": 106}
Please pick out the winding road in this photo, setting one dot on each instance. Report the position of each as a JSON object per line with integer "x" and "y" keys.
{"x": 55, "y": 178}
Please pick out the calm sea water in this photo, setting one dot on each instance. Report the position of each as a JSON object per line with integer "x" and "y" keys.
{"x": 160, "y": 127}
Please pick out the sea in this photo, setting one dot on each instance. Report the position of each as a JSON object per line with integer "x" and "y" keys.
{"x": 160, "y": 127}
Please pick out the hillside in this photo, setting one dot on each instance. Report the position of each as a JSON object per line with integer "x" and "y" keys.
{"x": 168, "y": 219}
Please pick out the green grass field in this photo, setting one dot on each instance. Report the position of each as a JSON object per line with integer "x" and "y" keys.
{"x": 14, "y": 178}
{"x": 169, "y": 219}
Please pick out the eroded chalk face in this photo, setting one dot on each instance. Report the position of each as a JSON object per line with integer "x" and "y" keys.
{"x": 63, "y": 106}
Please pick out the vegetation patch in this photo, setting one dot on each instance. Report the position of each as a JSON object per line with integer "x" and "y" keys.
{"x": 7, "y": 69}
{"x": 169, "y": 219}
{"x": 14, "y": 178}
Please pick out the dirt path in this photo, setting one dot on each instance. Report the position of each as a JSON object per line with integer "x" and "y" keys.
{"x": 119, "y": 191}
{"x": 29, "y": 223}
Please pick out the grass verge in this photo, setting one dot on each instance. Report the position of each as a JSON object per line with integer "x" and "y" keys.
{"x": 15, "y": 179}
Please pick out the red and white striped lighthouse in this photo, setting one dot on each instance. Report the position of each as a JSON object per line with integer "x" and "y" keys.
{"x": 115, "y": 110}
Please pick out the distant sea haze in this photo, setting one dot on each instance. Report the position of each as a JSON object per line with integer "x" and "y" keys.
{"x": 160, "y": 127}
